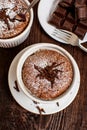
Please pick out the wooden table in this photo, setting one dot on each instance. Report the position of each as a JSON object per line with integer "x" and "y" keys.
{"x": 14, "y": 117}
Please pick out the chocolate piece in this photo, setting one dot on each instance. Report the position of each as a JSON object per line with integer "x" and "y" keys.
{"x": 68, "y": 25}
{"x": 83, "y": 23}
{"x": 82, "y": 27}
{"x": 57, "y": 104}
{"x": 80, "y": 31}
{"x": 20, "y": 17}
{"x": 81, "y": 12}
{"x": 69, "y": 1}
{"x": 71, "y": 18}
{"x": 79, "y": 3}
{"x": 66, "y": 3}
{"x": 40, "y": 110}
{"x": 16, "y": 86}
{"x": 60, "y": 11}
{"x": 56, "y": 20}
{"x": 35, "y": 102}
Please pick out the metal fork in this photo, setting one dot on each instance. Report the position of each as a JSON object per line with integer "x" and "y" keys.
{"x": 21, "y": 16}
{"x": 69, "y": 38}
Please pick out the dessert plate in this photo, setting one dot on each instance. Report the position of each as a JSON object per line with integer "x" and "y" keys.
{"x": 44, "y": 9}
{"x": 35, "y": 107}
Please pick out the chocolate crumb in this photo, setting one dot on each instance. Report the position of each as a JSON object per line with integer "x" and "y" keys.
{"x": 21, "y": 17}
{"x": 57, "y": 104}
{"x": 40, "y": 110}
{"x": 35, "y": 102}
{"x": 16, "y": 86}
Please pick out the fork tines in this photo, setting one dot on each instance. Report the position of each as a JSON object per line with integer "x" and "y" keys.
{"x": 61, "y": 34}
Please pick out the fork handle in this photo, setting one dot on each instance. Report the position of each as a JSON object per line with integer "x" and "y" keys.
{"x": 32, "y": 4}
{"x": 83, "y": 47}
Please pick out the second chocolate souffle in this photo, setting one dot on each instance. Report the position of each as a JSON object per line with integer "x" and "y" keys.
{"x": 10, "y": 26}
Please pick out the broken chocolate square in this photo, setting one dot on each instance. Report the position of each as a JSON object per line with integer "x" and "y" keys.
{"x": 83, "y": 23}
{"x": 81, "y": 12}
{"x": 80, "y": 31}
{"x": 68, "y": 25}
{"x": 71, "y": 18}
{"x": 60, "y": 11}
{"x": 66, "y": 3}
{"x": 56, "y": 20}
{"x": 79, "y": 3}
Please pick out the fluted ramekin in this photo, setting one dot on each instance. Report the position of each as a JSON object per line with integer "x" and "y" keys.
{"x": 14, "y": 41}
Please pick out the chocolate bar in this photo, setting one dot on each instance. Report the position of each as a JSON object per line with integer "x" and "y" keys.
{"x": 56, "y": 20}
{"x": 81, "y": 12}
{"x": 60, "y": 11}
{"x": 81, "y": 9}
{"x": 83, "y": 24}
{"x": 69, "y": 1}
{"x": 80, "y": 31}
{"x": 68, "y": 25}
{"x": 71, "y": 15}
{"x": 66, "y": 4}
{"x": 79, "y": 3}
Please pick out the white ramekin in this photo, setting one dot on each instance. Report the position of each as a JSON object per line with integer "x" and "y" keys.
{"x": 12, "y": 42}
{"x": 32, "y": 50}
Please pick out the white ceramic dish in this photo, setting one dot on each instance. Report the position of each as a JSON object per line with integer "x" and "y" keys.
{"x": 12, "y": 42}
{"x": 27, "y": 103}
{"x": 44, "y": 9}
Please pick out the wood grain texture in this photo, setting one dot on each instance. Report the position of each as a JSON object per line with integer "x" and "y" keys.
{"x": 13, "y": 117}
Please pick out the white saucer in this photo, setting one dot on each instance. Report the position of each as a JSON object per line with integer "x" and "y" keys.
{"x": 44, "y": 10}
{"x": 30, "y": 105}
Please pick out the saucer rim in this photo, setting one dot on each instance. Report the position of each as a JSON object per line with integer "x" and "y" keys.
{"x": 41, "y": 104}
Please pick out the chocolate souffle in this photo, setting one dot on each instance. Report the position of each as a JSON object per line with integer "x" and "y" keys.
{"x": 47, "y": 74}
{"x": 10, "y": 26}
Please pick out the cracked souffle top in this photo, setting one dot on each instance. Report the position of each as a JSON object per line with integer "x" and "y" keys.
{"x": 47, "y": 74}
{"x": 10, "y": 26}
